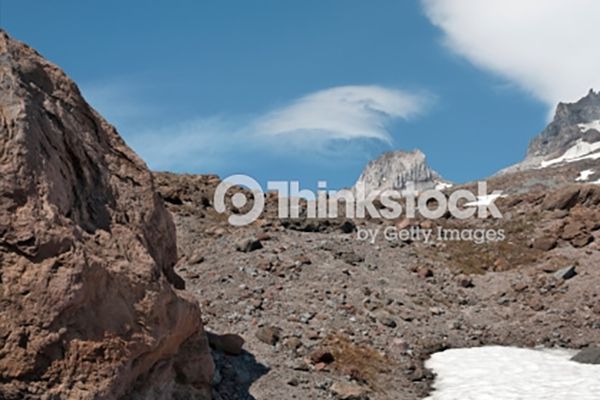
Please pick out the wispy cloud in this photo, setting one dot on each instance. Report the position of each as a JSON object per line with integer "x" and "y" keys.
{"x": 117, "y": 99}
{"x": 326, "y": 124}
{"x": 548, "y": 48}
{"x": 197, "y": 144}
{"x": 346, "y": 112}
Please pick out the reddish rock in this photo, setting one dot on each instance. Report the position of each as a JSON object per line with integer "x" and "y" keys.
{"x": 545, "y": 243}
{"x": 536, "y": 304}
{"x": 568, "y": 197}
{"x": 349, "y": 391}
{"x": 582, "y": 240}
{"x": 501, "y": 265}
{"x": 572, "y": 230}
{"x": 293, "y": 343}
{"x": 263, "y": 236}
{"x": 269, "y": 335}
{"x": 87, "y": 251}
{"x": 563, "y": 199}
{"x": 320, "y": 366}
{"x": 403, "y": 224}
{"x": 427, "y": 224}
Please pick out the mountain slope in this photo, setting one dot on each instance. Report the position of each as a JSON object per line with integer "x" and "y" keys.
{"x": 572, "y": 136}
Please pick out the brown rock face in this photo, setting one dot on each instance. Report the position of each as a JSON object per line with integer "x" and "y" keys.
{"x": 88, "y": 307}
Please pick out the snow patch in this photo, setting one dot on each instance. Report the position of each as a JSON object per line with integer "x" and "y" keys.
{"x": 585, "y": 175}
{"x": 484, "y": 200}
{"x": 579, "y": 151}
{"x": 595, "y": 125}
{"x": 443, "y": 185}
{"x": 508, "y": 373}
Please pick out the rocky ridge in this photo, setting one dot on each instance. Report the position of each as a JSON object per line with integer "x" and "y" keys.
{"x": 573, "y": 124}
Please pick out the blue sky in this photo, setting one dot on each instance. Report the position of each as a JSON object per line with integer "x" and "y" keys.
{"x": 307, "y": 90}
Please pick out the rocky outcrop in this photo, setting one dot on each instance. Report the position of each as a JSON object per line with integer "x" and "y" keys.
{"x": 395, "y": 170}
{"x": 88, "y": 302}
{"x": 571, "y": 134}
{"x": 572, "y": 122}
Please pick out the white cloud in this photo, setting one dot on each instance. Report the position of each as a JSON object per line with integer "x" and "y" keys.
{"x": 345, "y": 112}
{"x": 549, "y": 48}
{"x": 324, "y": 125}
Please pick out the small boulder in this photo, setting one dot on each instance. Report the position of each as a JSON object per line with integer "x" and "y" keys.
{"x": 572, "y": 230}
{"x": 293, "y": 343}
{"x": 230, "y": 344}
{"x": 321, "y": 355}
{"x": 582, "y": 240}
{"x": 350, "y": 257}
{"x": 195, "y": 258}
{"x": 465, "y": 282}
{"x": 347, "y": 227}
{"x": 387, "y": 321}
{"x": 563, "y": 199}
{"x": 248, "y": 245}
{"x": 565, "y": 273}
{"x": 263, "y": 236}
{"x": 545, "y": 243}
{"x": 591, "y": 355}
{"x": 424, "y": 272}
{"x": 269, "y": 335}
{"x": 349, "y": 391}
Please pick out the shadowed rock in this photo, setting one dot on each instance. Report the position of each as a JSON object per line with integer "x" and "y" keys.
{"x": 591, "y": 355}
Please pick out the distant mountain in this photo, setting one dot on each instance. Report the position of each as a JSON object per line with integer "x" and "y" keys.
{"x": 395, "y": 170}
{"x": 573, "y": 135}
{"x": 572, "y": 122}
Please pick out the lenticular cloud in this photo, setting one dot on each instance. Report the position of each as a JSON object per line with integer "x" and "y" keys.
{"x": 345, "y": 112}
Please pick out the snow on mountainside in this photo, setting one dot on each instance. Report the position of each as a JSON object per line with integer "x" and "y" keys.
{"x": 579, "y": 151}
{"x": 595, "y": 125}
{"x": 585, "y": 175}
{"x": 399, "y": 170}
{"x": 572, "y": 136}
{"x": 572, "y": 122}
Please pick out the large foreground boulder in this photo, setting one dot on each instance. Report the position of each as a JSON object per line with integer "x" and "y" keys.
{"x": 88, "y": 302}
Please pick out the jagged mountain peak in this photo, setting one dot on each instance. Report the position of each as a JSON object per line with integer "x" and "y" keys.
{"x": 572, "y": 122}
{"x": 396, "y": 169}
{"x": 573, "y": 135}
